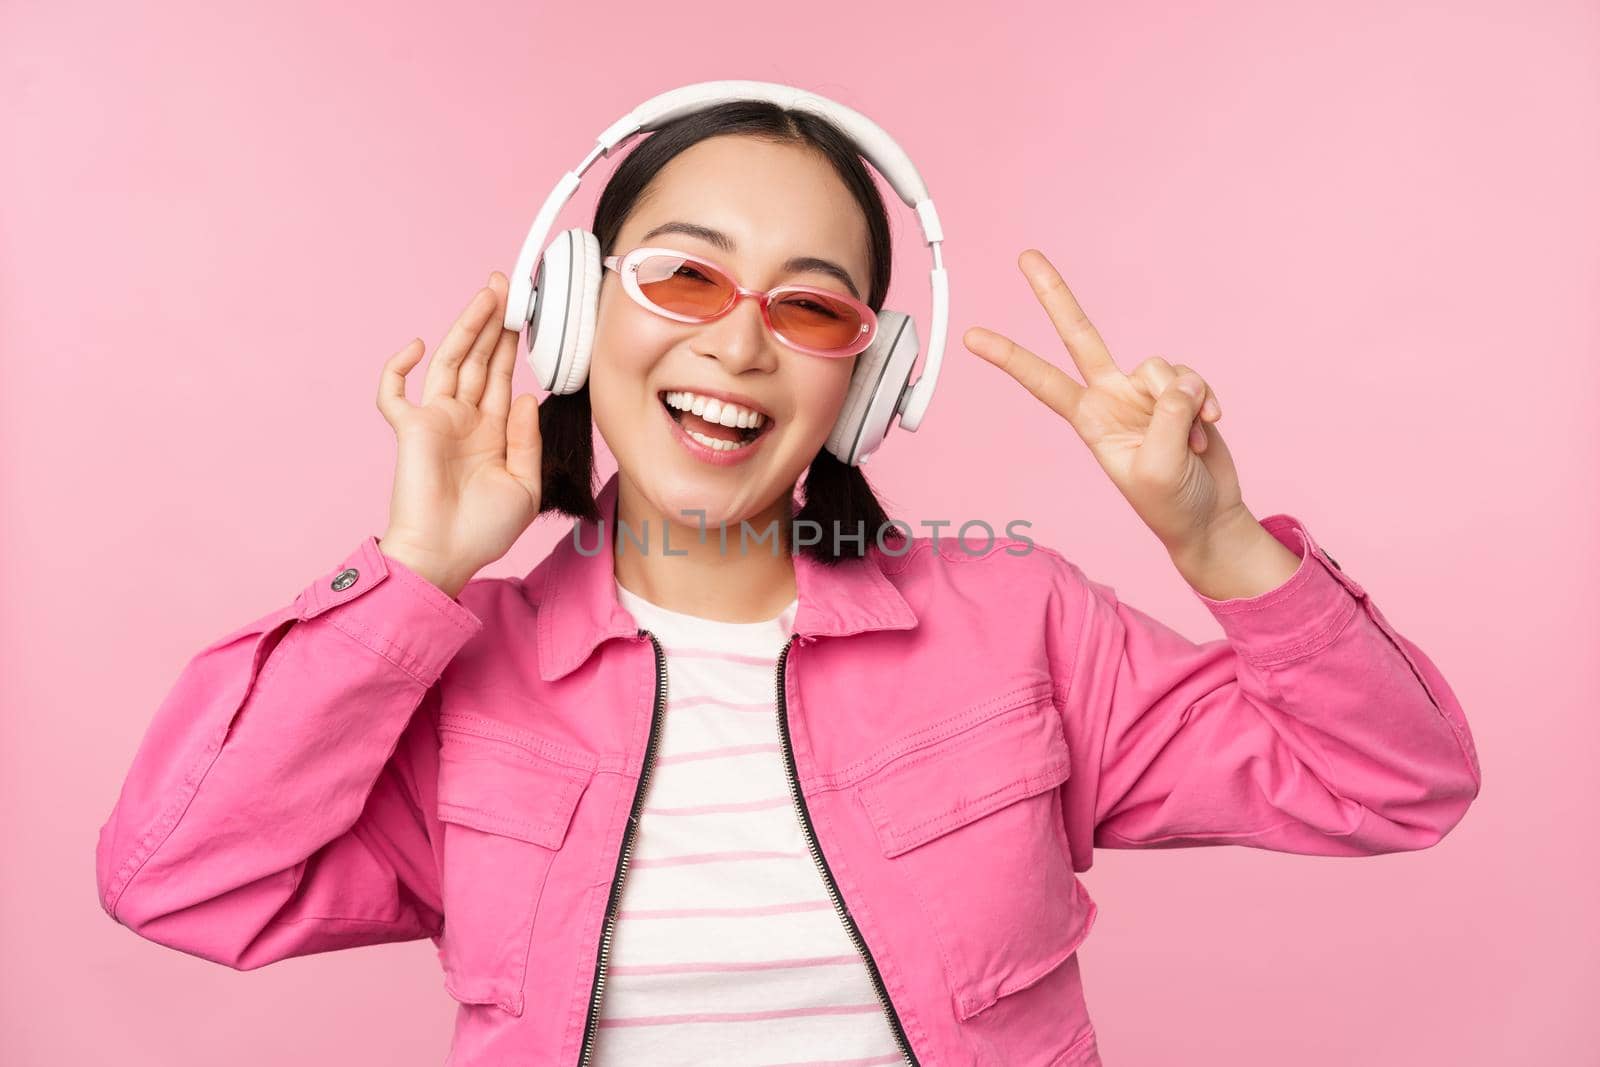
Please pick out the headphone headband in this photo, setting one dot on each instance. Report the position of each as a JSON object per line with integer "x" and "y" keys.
{"x": 871, "y": 140}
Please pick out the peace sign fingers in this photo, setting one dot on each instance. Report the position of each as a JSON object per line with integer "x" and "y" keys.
{"x": 1083, "y": 341}
{"x": 1040, "y": 377}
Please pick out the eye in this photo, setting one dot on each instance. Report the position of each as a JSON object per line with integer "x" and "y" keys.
{"x": 687, "y": 271}
{"x": 813, "y": 307}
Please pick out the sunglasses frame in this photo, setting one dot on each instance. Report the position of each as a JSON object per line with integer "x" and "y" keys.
{"x": 628, "y": 267}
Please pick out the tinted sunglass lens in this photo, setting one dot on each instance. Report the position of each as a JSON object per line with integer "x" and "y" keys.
{"x": 816, "y": 320}
{"x": 683, "y": 286}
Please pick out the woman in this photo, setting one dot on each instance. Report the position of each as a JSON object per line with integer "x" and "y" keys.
{"x": 849, "y": 829}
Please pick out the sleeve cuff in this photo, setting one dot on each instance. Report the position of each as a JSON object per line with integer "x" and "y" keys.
{"x": 1300, "y": 617}
{"x": 391, "y": 609}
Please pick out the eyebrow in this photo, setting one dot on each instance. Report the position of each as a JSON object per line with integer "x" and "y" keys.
{"x": 795, "y": 264}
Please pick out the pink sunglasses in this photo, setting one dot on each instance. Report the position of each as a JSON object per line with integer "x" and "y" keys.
{"x": 689, "y": 288}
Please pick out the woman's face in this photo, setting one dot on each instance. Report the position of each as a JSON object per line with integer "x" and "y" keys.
{"x": 772, "y": 202}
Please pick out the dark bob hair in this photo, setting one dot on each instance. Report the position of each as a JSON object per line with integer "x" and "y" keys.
{"x": 836, "y": 496}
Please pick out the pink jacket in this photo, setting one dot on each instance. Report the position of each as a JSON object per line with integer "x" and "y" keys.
{"x": 379, "y": 762}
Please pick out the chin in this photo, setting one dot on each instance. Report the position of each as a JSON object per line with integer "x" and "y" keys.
{"x": 680, "y": 496}
{"x": 725, "y": 502}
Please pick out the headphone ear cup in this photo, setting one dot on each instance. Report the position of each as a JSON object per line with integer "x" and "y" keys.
{"x": 881, "y": 375}
{"x": 566, "y": 297}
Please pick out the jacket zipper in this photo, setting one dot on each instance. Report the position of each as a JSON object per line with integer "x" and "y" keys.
{"x": 822, "y": 865}
{"x": 597, "y": 990}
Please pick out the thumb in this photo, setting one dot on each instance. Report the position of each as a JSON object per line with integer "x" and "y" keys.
{"x": 523, "y": 442}
{"x": 1176, "y": 409}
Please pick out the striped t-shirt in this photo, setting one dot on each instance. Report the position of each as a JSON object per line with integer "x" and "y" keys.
{"x": 727, "y": 948}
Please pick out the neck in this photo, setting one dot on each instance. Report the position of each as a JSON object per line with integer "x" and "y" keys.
{"x": 669, "y": 560}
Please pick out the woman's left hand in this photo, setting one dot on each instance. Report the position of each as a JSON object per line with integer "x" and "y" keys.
{"x": 1158, "y": 443}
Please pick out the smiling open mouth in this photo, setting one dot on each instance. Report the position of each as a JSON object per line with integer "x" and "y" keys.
{"x": 700, "y": 427}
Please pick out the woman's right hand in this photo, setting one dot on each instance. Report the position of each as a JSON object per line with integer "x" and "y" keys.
{"x": 467, "y": 471}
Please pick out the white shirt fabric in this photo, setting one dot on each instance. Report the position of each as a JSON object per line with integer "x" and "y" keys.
{"x": 727, "y": 948}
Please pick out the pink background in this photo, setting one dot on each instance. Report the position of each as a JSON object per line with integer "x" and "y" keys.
{"x": 1371, "y": 226}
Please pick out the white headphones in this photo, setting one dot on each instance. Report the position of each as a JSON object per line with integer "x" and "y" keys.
{"x": 558, "y": 307}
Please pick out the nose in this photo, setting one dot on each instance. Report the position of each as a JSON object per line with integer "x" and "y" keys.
{"x": 740, "y": 338}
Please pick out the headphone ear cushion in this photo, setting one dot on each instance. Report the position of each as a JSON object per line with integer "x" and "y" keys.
{"x": 586, "y": 305}
{"x": 876, "y": 384}
{"x": 565, "y": 310}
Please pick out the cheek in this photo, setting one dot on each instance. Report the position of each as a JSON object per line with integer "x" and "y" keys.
{"x": 626, "y": 347}
{"x": 820, "y": 390}
{"x": 617, "y": 330}
{"x": 628, "y": 342}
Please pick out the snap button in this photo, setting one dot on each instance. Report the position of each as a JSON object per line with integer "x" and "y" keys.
{"x": 346, "y": 579}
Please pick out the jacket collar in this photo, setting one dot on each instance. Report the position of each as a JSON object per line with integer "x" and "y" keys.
{"x": 579, "y": 609}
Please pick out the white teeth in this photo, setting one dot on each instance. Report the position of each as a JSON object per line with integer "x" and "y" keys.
{"x": 716, "y": 442}
{"x": 717, "y": 411}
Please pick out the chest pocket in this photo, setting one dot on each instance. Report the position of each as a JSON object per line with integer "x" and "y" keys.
{"x": 974, "y": 823}
{"x": 506, "y": 799}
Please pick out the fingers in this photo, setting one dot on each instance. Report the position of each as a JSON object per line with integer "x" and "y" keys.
{"x": 1083, "y": 341}
{"x": 1174, "y": 426}
{"x": 392, "y": 382}
{"x": 524, "y": 445}
{"x": 497, "y": 394}
{"x": 1211, "y": 409}
{"x": 475, "y": 366}
{"x": 446, "y": 361}
{"x": 1040, "y": 377}
{"x": 1155, "y": 375}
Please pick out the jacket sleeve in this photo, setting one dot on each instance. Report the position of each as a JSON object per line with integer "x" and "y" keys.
{"x": 1312, "y": 727}
{"x": 274, "y": 807}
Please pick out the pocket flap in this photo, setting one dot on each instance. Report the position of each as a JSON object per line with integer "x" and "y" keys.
{"x": 1015, "y": 754}
{"x": 506, "y": 781}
